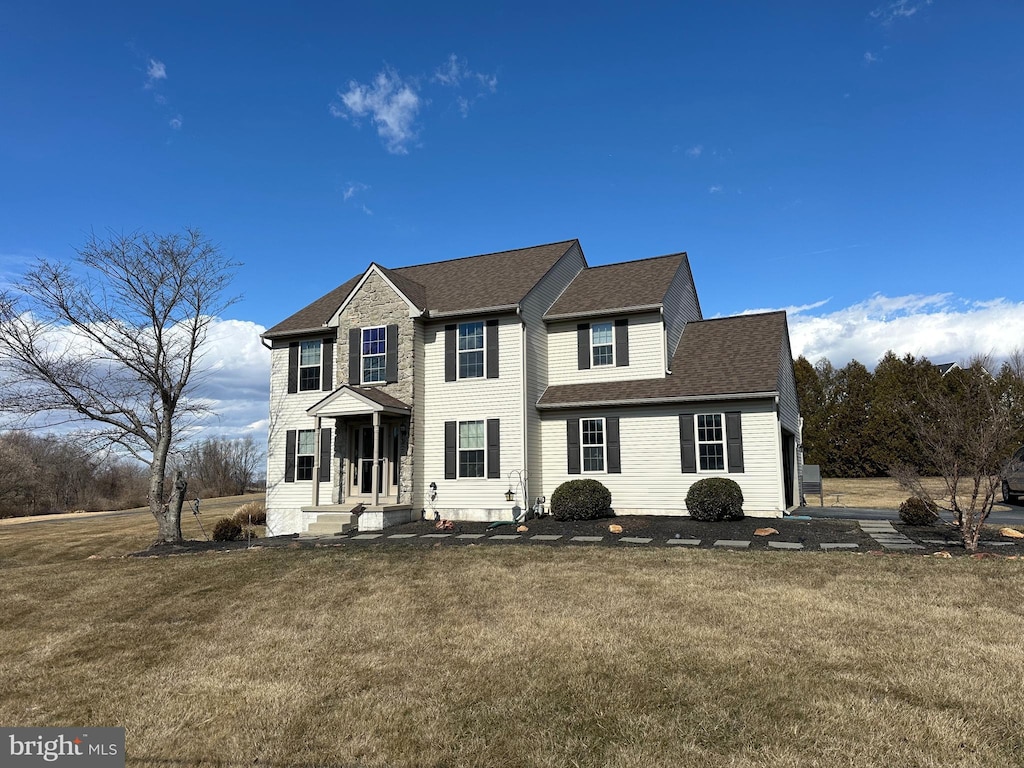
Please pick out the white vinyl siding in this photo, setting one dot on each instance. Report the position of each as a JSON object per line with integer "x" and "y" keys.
{"x": 285, "y": 500}
{"x": 536, "y": 303}
{"x": 441, "y": 401}
{"x": 652, "y": 481}
{"x": 646, "y": 352}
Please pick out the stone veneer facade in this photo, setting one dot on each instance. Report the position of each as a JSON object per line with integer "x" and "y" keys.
{"x": 375, "y": 303}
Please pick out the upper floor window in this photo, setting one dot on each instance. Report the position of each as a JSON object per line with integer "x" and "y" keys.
{"x": 305, "y": 450}
{"x": 592, "y": 444}
{"x": 309, "y": 365}
{"x": 471, "y": 350}
{"x": 374, "y": 355}
{"x": 603, "y": 350}
{"x": 710, "y": 441}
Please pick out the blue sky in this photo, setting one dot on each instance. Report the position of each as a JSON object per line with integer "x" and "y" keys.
{"x": 859, "y": 163}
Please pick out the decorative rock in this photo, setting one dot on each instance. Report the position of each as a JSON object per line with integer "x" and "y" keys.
{"x": 615, "y": 528}
{"x": 522, "y": 529}
{"x": 765, "y": 532}
{"x": 942, "y": 554}
{"x": 1011, "y": 533}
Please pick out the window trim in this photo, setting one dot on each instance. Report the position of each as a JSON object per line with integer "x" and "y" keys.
{"x": 610, "y": 343}
{"x": 299, "y": 471}
{"x": 603, "y": 445}
{"x": 482, "y": 349}
{"x": 459, "y": 450}
{"x": 383, "y": 355}
{"x": 319, "y": 366}
{"x": 698, "y": 443}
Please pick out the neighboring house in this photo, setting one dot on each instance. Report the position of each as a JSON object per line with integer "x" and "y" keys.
{"x": 430, "y": 389}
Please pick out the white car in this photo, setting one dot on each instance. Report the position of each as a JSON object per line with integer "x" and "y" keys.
{"x": 1013, "y": 477}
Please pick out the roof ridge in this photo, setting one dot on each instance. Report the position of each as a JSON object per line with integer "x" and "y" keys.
{"x": 637, "y": 261}
{"x": 739, "y": 316}
{"x": 478, "y": 255}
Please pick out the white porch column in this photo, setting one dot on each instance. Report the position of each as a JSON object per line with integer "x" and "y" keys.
{"x": 375, "y": 476}
{"x": 316, "y": 465}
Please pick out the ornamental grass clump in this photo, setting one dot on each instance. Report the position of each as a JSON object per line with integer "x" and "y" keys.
{"x": 581, "y": 500}
{"x": 917, "y": 511}
{"x": 714, "y": 499}
{"x": 251, "y": 513}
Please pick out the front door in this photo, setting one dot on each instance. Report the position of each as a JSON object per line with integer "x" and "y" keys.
{"x": 361, "y": 483}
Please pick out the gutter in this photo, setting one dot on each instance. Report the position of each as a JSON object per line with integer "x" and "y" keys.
{"x": 604, "y": 312}
{"x": 655, "y": 400}
{"x": 502, "y": 308}
{"x": 319, "y": 329}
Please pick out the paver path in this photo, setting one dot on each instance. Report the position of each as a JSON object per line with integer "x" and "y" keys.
{"x": 883, "y": 532}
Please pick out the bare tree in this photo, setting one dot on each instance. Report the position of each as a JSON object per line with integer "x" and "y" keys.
{"x": 222, "y": 467}
{"x": 968, "y": 422}
{"x": 113, "y": 338}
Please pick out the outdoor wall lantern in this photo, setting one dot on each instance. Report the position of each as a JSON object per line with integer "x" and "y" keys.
{"x": 509, "y": 494}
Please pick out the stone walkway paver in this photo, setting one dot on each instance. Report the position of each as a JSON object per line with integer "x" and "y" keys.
{"x": 838, "y": 545}
{"x": 587, "y": 539}
{"x": 635, "y": 540}
{"x": 785, "y": 545}
{"x": 738, "y": 543}
{"x": 546, "y": 537}
{"x": 685, "y": 542}
{"x": 883, "y": 532}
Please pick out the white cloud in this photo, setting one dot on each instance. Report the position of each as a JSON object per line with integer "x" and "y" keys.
{"x": 175, "y": 122}
{"x": 715, "y": 189}
{"x": 870, "y": 58}
{"x": 451, "y": 72}
{"x": 455, "y": 73}
{"x": 389, "y": 102}
{"x": 900, "y": 9}
{"x": 938, "y": 326}
{"x": 696, "y": 150}
{"x": 155, "y": 71}
{"x": 352, "y": 189}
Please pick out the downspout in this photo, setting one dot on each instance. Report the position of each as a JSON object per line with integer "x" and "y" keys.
{"x": 779, "y": 459}
{"x": 526, "y": 422}
{"x": 664, "y": 342}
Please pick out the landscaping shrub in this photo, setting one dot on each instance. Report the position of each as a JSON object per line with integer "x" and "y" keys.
{"x": 715, "y": 498}
{"x": 251, "y": 513}
{"x": 581, "y": 500}
{"x": 917, "y": 511}
{"x": 226, "y": 529}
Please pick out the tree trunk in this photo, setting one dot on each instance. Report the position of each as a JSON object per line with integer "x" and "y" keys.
{"x": 167, "y": 513}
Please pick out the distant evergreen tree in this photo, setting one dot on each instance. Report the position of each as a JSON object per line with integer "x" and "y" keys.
{"x": 898, "y": 384}
{"x": 849, "y": 437}
{"x": 812, "y": 407}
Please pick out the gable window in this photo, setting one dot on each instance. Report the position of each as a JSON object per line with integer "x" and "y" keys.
{"x": 305, "y": 450}
{"x": 602, "y": 348}
{"x": 471, "y": 350}
{"x": 471, "y": 449}
{"x": 592, "y": 444}
{"x": 710, "y": 441}
{"x": 374, "y": 355}
{"x": 309, "y": 365}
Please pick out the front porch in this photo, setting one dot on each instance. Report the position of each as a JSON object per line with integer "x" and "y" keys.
{"x": 332, "y": 519}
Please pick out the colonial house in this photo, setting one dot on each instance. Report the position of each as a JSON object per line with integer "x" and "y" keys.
{"x": 443, "y": 389}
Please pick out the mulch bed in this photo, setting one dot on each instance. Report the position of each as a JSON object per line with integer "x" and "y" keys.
{"x": 810, "y": 533}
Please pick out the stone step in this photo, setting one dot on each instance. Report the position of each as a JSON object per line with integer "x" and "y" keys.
{"x": 328, "y": 523}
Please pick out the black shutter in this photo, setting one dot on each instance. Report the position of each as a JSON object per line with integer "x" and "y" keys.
{"x": 734, "y": 440}
{"x": 621, "y": 342}
{"x": 583, "y": 346}
{"x": 327, "y": 363}
{"x": 492, "y": 349}
{"x": 611, "y": 436}
{"x": 289, "y": 456}
{"x": 687, "y": 445}
{"x": 326, "y": 451}
{"x": 293, "y": 367}
{"x": 450, "y": 451}
{"x": 391, "y": 355}
{"x": 572, "y": 440}
{"x": 450, "y": 361}
{"x": 493, "y": 448}
{"x": 354, "y": 339}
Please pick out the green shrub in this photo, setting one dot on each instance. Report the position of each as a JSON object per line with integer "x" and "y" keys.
{"x": 251, "y": 513}
{"x": 917, "y": 511}
{"x": 581, "y": 500}
{"x": 226, "y": 529}
{"x": 715, "y": 498}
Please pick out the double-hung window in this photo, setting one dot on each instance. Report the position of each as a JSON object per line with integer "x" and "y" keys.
{"x": 471, "y": 449}
{"x": 592, "y": 444}
{"x": 471, "y": 350}
{"x": 710, "y": 441}
{"x": 602, "y": 348}
{"x": 309, "y": 365}
{"x": 374, "y": 355}
{"x": 305, "y": 451}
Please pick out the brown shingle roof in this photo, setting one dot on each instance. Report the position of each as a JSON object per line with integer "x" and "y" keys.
{"x": 615, "y": 287}
{"x": 728, "y": 356}
{"x": 446, "y": 287}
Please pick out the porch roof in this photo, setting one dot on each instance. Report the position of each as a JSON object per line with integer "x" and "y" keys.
{"x": 353, "y": 401}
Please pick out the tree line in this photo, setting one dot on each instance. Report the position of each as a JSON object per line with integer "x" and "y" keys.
{"x": 46, "y": 474}
{"x": 862, "y": 423}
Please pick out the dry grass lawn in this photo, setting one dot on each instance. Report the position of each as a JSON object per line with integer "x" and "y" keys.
{"x": 495, "y": 656}
{"x": 876, "y": 492}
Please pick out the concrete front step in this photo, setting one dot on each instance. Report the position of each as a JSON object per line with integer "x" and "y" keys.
{"x": 331, "y": 523}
